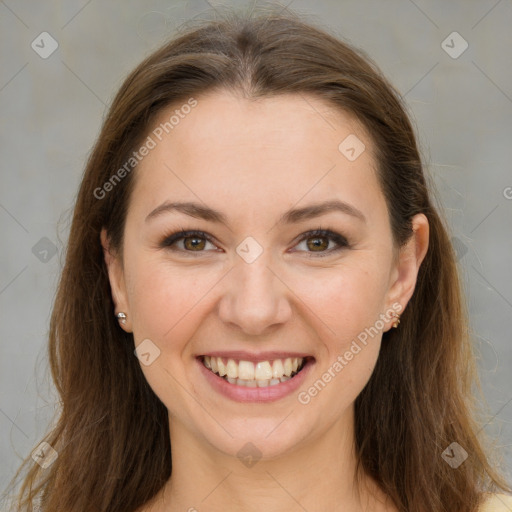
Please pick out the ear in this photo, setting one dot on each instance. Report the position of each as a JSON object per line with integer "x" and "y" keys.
{"x": 405, "y": 271}
{"x": 117, "y": 281}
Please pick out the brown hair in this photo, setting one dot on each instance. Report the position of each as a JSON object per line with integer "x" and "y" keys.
{"x": 112, "y": 434}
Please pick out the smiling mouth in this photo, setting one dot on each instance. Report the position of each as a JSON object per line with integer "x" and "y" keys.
{"x": 257, "y": 374}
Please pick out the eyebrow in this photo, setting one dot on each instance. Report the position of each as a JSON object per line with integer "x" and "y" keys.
{"x": 200, "y": 211}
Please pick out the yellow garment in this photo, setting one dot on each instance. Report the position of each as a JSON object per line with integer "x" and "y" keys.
{"x": 497, "y": 503}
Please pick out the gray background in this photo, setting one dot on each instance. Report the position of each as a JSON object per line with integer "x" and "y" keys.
{"x": 51, "y": 111}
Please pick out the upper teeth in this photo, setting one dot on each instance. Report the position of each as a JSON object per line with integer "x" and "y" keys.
{"x": 247, "y": 370}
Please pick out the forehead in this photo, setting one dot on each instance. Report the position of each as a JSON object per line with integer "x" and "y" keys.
{"x": 256, "y": 151}
{"x": 296, "y": 122}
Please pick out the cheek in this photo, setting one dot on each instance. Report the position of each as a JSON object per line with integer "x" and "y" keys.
{"x": 167, "y": 309}
{"x": 346, "y": 298}
{"x": 167, "y": 300}
{"x": 346, "y": 303}
{"x": 346, "y": 306}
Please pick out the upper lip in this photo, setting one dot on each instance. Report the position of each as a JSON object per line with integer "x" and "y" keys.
{"x": 242, "y": 355}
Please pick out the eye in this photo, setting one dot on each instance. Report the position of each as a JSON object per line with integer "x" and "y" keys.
{"x": 193, "y": 241}
{"x": 317, "y": 241}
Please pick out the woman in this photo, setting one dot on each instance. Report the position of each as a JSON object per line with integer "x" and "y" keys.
{"x": 312, "y": 352}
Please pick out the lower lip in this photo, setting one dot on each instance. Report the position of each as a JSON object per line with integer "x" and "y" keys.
{"x": 245, "y": 394}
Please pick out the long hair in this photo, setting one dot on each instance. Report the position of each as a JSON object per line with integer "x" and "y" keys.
{"x": 112, "y": 434}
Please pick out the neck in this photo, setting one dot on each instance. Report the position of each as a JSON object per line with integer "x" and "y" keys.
{"x": 319, "y": 474}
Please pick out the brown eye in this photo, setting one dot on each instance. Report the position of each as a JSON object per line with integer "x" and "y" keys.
{"x": 193, "y": 241}
{"x": 318, "y": 242}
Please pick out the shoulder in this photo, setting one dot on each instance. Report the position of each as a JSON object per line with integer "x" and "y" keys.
{"x": 497, "y": 503}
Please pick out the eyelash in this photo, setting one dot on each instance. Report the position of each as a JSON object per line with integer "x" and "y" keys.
{"x": 342, "y": 242}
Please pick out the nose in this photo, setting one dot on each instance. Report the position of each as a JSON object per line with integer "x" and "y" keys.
{"x": 256, "y": 299}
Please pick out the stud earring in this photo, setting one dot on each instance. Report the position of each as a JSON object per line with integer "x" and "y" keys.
{"x": 397, "y": 321}
{"x": 121, "y": 317}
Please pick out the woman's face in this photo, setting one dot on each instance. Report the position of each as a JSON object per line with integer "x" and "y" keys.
{"x": 260, "y": 289}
